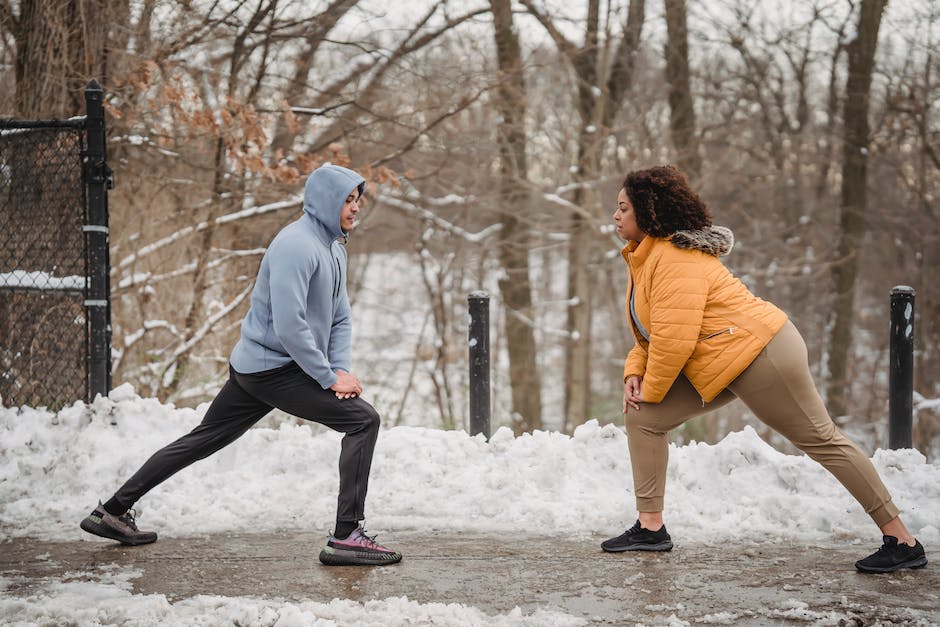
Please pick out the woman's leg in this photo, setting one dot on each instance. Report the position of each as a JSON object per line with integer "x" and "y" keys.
{"x": 779, "y": 389}
{"x": 649, "y": 445}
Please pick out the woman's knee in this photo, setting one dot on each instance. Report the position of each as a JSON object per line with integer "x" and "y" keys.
{"x": 640, "y": 422}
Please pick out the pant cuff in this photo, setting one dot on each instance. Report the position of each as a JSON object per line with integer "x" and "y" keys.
{"x": 884, "y": 513}
{"x": 649, "y": 504}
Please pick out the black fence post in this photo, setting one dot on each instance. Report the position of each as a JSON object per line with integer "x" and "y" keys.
{"x": 479, "y": 305}
{"x": 901, "y": 371}
{"x": 98, "y": 284}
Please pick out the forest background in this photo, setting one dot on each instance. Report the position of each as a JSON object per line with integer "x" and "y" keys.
{"x": 495, "y": 136}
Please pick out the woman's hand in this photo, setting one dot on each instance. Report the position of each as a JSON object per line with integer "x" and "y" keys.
{"x": 632, "y": 393}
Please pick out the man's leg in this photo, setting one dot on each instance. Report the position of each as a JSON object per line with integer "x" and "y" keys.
{"x": 294, "y": 392}
{"x": 229, "y": 416}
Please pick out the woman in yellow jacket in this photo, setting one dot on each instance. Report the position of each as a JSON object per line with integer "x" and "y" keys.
{"x": 702, "y": 340}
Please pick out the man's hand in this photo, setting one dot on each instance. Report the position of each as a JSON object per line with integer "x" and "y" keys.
{"x": 632, "y": 393}
{"x": 347, "y": 385}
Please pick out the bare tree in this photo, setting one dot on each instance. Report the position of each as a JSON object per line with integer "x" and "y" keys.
{"x": 681, "y": 110}
{"x": 861, "y": 53}
{"x": 600, "y": 87}
{"x": 60, "y": 46}
{"x": 514, "y": 236}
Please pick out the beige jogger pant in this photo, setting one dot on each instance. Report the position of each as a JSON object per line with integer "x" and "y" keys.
{"x": 779, "y": 389}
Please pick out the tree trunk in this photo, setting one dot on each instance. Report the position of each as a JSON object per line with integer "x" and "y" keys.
{"x": 58, "y": 50}
{"x": 861, "y": 53}
{"x": 598, "y": 100}
{"x": 681, "y": 111}
{"x": 514, "y": 285}
{"x": 580, "y": 287}
{"x": 578, "y": 350}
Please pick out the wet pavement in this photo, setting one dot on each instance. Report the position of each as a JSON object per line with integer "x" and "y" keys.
{"x": 748, "y": 584}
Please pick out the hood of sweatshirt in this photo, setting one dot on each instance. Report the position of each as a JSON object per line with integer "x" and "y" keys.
{"x": 714, "y": 240}
{"x": 325, "y": 194}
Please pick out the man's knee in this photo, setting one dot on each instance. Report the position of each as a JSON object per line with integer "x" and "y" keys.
{"x": 369, "y": 417}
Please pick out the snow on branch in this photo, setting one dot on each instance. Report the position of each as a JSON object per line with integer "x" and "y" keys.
{"x": 445, "y": 225}
{"x": 570, "y": 335}
{"x": 149, "y": 278}
{"x": 210, "y": 322}
{"x": 202, "y": 226}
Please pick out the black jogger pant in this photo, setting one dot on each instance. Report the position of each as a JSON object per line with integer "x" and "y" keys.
{"x": 243, "y": 401}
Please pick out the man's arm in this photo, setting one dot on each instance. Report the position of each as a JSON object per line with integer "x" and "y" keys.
{"x": 292, "y": 266}
{"x": 340, "y": 349}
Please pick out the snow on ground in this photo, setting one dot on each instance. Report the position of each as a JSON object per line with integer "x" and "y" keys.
{"x": 109, "y": 601}
{"x": 54, "y": 468}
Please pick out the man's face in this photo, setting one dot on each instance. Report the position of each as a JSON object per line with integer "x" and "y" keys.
{"x": 347, "y": 218}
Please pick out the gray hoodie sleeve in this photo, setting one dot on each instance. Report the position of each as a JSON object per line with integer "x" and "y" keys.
{"x": 292, "y": 267}
{"x": 341, "y": 331}
{"x": 341, "y": 335}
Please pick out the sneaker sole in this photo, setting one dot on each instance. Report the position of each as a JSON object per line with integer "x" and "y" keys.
{"x": 105, "y": 532}
{"x": 920, "y": 562}
{"x": 659, "y": 547}
{"x": 341, "y": 557}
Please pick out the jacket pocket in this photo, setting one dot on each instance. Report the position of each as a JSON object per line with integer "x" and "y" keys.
{"x": 729, "y": 331}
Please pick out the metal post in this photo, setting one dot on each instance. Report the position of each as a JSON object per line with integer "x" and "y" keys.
{"x": 479, "y": 305}
{"x": 901, "y": 370}
{"x": 98, "y": 287}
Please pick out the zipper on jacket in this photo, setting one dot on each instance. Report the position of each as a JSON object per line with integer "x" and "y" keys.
{"x": 729, "y": 331}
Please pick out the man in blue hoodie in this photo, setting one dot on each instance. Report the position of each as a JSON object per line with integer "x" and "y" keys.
{"x": 293, "y": 354}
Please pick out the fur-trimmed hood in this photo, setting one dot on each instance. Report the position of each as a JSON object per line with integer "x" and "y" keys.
{"x": 714, "y": 240}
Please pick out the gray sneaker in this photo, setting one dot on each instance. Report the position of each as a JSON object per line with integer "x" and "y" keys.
{"x": 357, "y": 550}
{"x": 122, "y": 528}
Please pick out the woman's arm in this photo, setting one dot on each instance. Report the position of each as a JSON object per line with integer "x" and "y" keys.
{"x": 679, "y": 291}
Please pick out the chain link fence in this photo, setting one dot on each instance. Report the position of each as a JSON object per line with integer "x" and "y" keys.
{"x": 42, "y": 267}
{"x": 53, "y": 260}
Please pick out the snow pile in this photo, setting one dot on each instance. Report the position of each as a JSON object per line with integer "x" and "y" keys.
{"x": 54, "y": 468}
{"x": 110, "y": 601}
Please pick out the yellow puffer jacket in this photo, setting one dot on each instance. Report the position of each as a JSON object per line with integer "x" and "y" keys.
{"x": 696, "y": 317}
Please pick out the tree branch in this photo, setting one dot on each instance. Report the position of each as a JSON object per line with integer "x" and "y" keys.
{"x": 621, "y": 72}
{"x": 565, "y": 45}
{"x": 463, "y": 104}
{"x": 407, "y": 47}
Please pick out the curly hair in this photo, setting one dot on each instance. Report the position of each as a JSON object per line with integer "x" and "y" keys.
{"x": 663, "y": 202}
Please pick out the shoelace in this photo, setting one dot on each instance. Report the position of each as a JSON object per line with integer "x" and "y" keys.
{"x": 128, "y": 518}
{"x": 887, "y": 549}
{"x": 370, "y": 539}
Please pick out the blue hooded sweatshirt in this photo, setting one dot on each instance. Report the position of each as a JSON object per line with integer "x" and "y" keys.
{"x": 299, "y": 308}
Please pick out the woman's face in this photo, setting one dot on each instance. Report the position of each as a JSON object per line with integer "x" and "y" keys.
{"x": 626, "y": 220}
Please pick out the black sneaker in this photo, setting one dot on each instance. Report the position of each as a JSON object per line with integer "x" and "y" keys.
{"x": 893, "y": 556}
{"x": 636, "y": 538}
{"x": 357, "y": 550}
{"x": 122, "y": 528}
